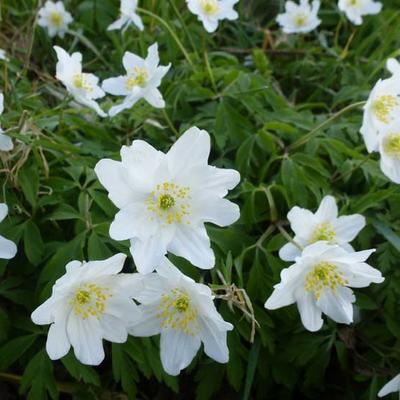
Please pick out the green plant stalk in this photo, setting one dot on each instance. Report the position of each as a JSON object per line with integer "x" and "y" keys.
{"x": 303, "y": 140}
{"x": 170, "y": 30}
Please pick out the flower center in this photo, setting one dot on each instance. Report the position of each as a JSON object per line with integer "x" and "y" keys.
{"x": 300, "y": 19}
{"x": 166, "y": 201}
{"x": 137, "y": 77}
{"x": 392, "y": 145}
{"x": 383, "y": 106}
{"x": 89, "y": 300}
{"x": 176, "y": 311}
{"x": 324, "y": 276}
{"x": 210, "y": 7}
{"x": 323, "y": 231}
{"x": 80, "y": 82}
{"x": 169, "y": 202}
{"x": 56, "y": 19}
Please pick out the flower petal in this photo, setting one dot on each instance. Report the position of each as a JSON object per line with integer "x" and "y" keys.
{"x": 57, "y": 344}
{"x": 310, "y": 314}
{"x": 391, "y": 387}
{"x": 8, "y": 249}
{"x": 148, "y": 324}
{"x": 193, "y": 244}
{"x": 177, "y": 350}
{"x": 347, "y": 227}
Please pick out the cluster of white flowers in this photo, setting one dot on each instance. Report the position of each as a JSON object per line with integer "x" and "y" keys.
{"x": 381, "y": 123}
{"x": 326, "y": 266}
{"x": 54, "y": 17}
{"x": 164, "y": 200}
{"x": 303, "y": 17}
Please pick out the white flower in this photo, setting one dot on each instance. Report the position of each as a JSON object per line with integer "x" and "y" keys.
{"x": 356, "y": 9}
{"x": 210, "y": 12}
{"x": 6, "y": 143}
{"x": 165, "y": 199}
{"x": 128, "y": 16}
{"x": 8, "y": 249}
{"x": 142, "y": 78}
{"x": 184, "y": 313}
{"x": 393, "y": 66}
{"x": 3, "y": 55}
{"x": 299, "y": 18}
{"x": 324, "y": 225}
{"x": 55, "y": 18}
{"x": 389, "y": 149}
{"x": 320, "y": 281}
{"x": 391, "y": 387}
{"x": 91, "y": 302}
{"x": 381, "y": 109}
{"x": 82, "y": 86}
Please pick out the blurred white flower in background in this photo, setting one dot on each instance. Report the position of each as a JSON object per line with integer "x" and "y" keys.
{"x": 54, "y": 18}
{"x": 6, "y": 143}
{"x": 128, "y": 16}
{"x": 3, "y": 55}
{"x": 324, "y": 225}
{"x": 82, "y": 86}
{"x": 89, "y": 303}
{"x": 391, "y": 387}
{"x": 299, "y": 18}
{"x": 320, "y": 281}
{"x": 210, "y": 12}
{"x": 356, "y": 9}
{"x": 393, "y": 66}
{"x": 183, "y": 312}
{"x": 165, "y": 199}
{"x": 141, "y": 81}
{"x": 8, "y": 249}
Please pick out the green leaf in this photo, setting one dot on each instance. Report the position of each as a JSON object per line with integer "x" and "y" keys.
{"x": 33, "y": 243}
{"x": 13, "y": 350}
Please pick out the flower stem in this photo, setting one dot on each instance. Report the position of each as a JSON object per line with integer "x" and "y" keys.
{"x": 170, "y": 30}
{"x": 309, "y": 135}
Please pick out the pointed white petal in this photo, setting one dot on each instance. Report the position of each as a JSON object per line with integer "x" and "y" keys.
{"x": 347, "y": 227}
{"x": 391, "y": 387}
{"x": 327, "y": 210}
{"x": 338, "y": 306}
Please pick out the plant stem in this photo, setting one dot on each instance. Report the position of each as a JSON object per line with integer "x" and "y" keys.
{"x": 309, "y": 135}
{"x": 170, "y": 30}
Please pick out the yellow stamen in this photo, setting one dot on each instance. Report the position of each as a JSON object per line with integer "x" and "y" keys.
{"x": 90, "y": 300}
{"x": 177, "y": 311}
{"x": 324, "y": 276}
{"x": 210, "y": 7}
{"x": 383, "y": 106}
{"x": 300, "y": 19}
{"x": 80, "y": 82}
{"x": 323, "y": 231}
{"x": 392, "y": 145}
{"x": 56, "y": 19}
{"x": 169, "y": 202}
{"x": 137, "y": 77}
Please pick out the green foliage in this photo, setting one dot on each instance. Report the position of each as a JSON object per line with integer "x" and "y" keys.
{"x": 259, "y": 94}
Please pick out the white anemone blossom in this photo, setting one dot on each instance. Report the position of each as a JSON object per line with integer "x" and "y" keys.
{"x": 8, "y": 249}
{"x": 382, "y": 108}
{"x": 323, "y": 225}
{"x": 82, "y": 86}
{"x": 141, "y": 81}
{"x": 299, "y": 18}
{"x": 3, "y": 55}
{"x": 91, "y": 302}
{"x": 391, "y": 387}
{"x": 54, "y": 18}
{"x": 183, "y": 312}
{"x": 356, "y": 9}
{"x": 320, "y": 281}
{"x": 165, "y": 199}
{"x": 389, "y": 149}
{"x": 210, "y": 12}
{"x": 128, "y": 16}
{"x": 6, "y": 143}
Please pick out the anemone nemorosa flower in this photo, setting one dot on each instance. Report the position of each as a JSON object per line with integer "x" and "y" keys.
{"x": 54, "y": 18}
{"x": 128, "y": 16}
